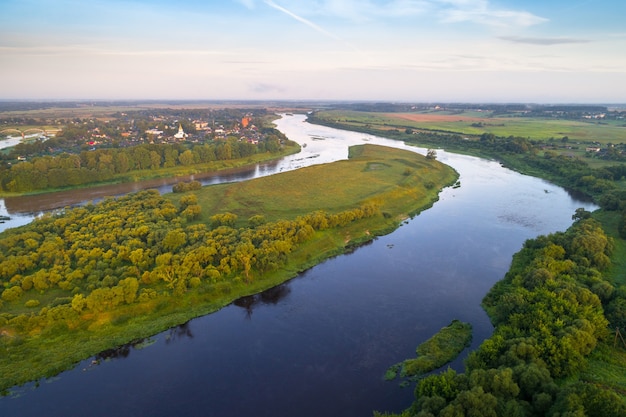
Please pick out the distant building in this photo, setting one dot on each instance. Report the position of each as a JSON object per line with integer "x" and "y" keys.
{"x": 155, "y": 132}
{"x": 202, "y": 125}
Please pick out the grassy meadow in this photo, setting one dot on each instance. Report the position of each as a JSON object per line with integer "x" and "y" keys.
{"x": 397, "y": 181}
{"x": 477, "y": 123}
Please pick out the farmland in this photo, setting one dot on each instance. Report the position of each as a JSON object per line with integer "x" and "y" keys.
{"x": 475, "y": 123}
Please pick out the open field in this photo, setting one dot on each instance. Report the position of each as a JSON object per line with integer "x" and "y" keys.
{"x": 101, "y": 109}
{"x": 384, "y": 176}
{"x": 477, "y": 123}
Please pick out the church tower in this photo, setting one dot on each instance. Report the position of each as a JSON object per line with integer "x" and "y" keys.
{"x": 181, "y": 133}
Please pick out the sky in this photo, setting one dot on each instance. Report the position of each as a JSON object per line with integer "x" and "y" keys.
{"x": 540, "y": 51}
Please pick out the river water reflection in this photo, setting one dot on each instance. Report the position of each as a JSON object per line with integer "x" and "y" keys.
{"x": 319, "y": 345}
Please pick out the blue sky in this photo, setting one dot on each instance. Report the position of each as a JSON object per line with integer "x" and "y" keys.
{"x": 399, "y": 50}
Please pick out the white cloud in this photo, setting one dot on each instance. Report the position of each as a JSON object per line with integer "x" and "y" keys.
{"x": 481, "y": 12}
{"x": 300, "y": 19}
{"x": 542, "y": 41}
{"x": 449, "y": 11}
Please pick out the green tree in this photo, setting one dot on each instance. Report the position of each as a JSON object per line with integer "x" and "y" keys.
{"x": 174, "y": 239}
{"x": 186, "y": 158}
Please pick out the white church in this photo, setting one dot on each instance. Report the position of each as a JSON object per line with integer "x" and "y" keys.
{"x": 181, "y": 133}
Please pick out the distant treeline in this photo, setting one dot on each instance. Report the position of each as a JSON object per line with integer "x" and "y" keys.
{"x": 100, "y": 165}
{"x": 494, "y": 107}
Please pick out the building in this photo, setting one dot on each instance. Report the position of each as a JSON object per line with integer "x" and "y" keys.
{"x": 181, "y": 133}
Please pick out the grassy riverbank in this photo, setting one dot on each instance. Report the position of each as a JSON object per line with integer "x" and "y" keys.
{"x": 127, "y": 269}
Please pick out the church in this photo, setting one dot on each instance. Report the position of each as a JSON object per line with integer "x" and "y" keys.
{"x": 181, "y": 133}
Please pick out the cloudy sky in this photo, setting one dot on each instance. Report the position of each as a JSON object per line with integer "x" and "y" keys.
{"x": 401, "y": 50}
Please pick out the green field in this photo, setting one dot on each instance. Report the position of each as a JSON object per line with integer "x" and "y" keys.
{"x": 386, "y": 176}
{"x": 477, "y": 123}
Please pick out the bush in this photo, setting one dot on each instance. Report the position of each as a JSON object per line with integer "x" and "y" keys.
{"x": 31, "y": 303}
{"x": 182, "y": 187}
{"x": 12, "y": 294}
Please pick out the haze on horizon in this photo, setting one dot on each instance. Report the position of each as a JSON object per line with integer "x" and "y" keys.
{"x": 400, "y": 50}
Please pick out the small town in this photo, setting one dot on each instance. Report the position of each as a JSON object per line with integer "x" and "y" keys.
{"x": 51, "y": 136}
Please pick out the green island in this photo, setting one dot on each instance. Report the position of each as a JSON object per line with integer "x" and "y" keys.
{"x": 442, "y": 348}
{"x": 559, "y": 313}
{"x": 95, "y": 277}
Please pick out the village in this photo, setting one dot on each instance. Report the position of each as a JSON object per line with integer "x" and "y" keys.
{"x": 125, "y": 129}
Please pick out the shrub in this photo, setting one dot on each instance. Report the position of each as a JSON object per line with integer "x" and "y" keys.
{"x": 31, "y": 303}
{"x": 12, "y": 294}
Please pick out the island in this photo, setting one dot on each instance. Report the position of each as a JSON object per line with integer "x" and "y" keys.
{"x": 98, "y": 276}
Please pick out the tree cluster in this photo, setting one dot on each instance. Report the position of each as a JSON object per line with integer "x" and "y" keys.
{"x": 548, "y": 316}
{"x": 88, "y": 167}
{"x": 135, "y": 251}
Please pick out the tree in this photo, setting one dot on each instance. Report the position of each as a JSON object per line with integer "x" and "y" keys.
{"x": 581, "y": 214}
{"x": 192, "y": 212}
{"x": 431, "y": 154}
{"x": 174, "y": 239}
{"x": 12, "y": 294}
{"x": 186, "y": 158}
{"x": 188, "y": 200}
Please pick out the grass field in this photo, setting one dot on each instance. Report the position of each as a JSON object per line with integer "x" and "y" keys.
{"x": 477, "y": 123}
{"x": 103, "y": 110}
{"x": 394, "y": 179}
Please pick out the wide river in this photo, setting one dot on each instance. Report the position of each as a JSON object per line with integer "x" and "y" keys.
{"x": 319, "y": 345}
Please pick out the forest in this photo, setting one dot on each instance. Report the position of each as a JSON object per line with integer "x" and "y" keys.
{"x": 120, "y": 164}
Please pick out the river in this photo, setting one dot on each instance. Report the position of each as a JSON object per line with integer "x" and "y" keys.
{"x": 319, "y": 344}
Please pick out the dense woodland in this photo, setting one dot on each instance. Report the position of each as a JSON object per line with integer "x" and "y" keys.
{"x": 101, "y": 165}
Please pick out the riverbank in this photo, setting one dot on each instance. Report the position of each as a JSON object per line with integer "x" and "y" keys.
{"x": 516, "y": 153}
{"x": 383, "y": 187}
{"x": 289, "y": 148}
